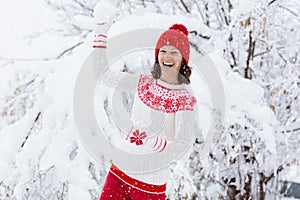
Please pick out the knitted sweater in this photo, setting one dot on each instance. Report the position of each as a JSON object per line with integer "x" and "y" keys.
{"x": 161, "y": 113}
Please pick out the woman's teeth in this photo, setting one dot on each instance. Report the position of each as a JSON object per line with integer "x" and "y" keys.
{"x": 168, "y": 64}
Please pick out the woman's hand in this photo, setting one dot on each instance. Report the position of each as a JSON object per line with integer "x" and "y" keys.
{"x": 140, "y": 138}
{"x": 104, "y": 16}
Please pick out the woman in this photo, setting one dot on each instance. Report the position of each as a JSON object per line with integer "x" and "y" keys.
{"x": 165, "y": 92}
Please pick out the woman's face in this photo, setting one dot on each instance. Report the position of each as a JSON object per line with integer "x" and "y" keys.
{"x": 169, "y": 58}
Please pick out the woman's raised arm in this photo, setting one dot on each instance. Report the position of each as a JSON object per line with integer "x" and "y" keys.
{"x": 118, "y": 80}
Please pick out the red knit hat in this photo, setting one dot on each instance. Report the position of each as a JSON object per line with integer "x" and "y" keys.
{"x": 175, "y": 36}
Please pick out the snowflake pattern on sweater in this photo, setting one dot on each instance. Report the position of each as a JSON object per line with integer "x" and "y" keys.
{"x": 148, "y": 133}
{"x": 164, "y": 99}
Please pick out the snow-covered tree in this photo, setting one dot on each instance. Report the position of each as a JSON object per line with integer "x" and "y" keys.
{"x": 256, "y": 147}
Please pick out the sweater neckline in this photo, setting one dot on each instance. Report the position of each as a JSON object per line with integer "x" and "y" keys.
{"x": 168, "y": 85}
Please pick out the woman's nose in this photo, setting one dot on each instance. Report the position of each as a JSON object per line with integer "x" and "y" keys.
{"x": 167, "y": 55}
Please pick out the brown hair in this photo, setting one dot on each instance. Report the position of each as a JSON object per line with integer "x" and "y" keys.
{"x": 183, "y": 75}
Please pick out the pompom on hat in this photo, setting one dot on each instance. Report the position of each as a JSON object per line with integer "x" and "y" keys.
{"x": 177, "y": 36}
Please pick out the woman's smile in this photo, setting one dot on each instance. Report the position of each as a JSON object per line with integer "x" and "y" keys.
{"x": 168, "y": 64}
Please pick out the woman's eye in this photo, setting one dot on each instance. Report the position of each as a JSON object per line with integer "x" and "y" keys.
{"x": 162, "y": 51}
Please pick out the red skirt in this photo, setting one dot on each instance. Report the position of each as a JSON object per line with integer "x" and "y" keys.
{"x": 120, "y": 186}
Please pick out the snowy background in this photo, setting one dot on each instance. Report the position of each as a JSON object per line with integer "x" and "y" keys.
{"x": 255, "y": 45}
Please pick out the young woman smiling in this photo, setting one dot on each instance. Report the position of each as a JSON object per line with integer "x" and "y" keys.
{"x": 165, "y": 92}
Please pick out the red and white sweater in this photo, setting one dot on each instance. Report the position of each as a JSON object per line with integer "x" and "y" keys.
{"x": 161, "y": 112}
